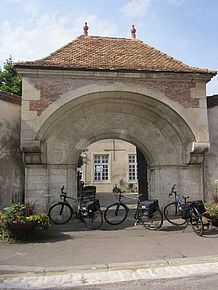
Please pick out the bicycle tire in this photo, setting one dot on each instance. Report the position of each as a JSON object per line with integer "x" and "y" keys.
{"x": 94, "y": 222}
{"x": 116, "y": 213}
{"x": 154, "y": 222}
{"x": 196, "y": 222}
{"x": 60, "y": 213}
{"x": 172, "y": 214}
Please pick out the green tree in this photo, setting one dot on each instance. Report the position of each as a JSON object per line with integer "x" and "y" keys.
{"x": 9, "y": 79}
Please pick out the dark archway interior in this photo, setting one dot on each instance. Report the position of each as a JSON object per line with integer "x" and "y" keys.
{"x": 142, "y": 173}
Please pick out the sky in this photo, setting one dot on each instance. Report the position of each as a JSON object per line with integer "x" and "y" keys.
{"x": 184, "y": 29}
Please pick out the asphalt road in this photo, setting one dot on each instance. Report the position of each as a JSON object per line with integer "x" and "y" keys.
{"x": 205, "y": 282}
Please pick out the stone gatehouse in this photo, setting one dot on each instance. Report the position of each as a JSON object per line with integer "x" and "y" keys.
{"x": 97, "y": 88}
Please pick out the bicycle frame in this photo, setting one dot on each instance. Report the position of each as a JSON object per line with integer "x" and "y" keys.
{"x": 177, "y": 198}
{"x": 151, "y": 218}
{"x": 134, "y": 212}
{"x": 64, "y": 197}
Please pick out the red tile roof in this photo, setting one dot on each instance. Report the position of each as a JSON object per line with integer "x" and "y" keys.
{"x": 111, "y": 54}
{"x": 8, "y": 97}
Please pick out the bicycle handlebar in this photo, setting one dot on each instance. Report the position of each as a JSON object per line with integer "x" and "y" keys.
{"x": 63, "y": 194}
{"x": 172, "y": 190}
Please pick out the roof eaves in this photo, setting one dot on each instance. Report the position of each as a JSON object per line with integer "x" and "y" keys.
{"x": 31, "y": 65}
{"x": 9, "y": 97}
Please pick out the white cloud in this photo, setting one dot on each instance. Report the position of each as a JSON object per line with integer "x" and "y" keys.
{"x": 25, "y": 43}
{"x": 39, "y": 32}
{"x": 136, "y": 8}
{"x": 212, "y": 86}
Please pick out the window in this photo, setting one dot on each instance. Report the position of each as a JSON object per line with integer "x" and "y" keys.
{"x": 132, "y": 168}
{"x": 101, "y": 167}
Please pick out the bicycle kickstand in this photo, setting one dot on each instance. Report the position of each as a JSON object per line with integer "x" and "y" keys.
{"x": 77, "y": 224}
{"x": 186, "y": 226}
{"x": 136, "y": 222}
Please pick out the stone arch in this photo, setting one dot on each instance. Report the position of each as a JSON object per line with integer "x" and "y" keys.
{"x": 160, "y": 132}
{"x": 85, "y": 92}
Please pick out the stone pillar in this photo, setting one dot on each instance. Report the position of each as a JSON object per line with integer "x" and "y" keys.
{"x": 36, "y": 185}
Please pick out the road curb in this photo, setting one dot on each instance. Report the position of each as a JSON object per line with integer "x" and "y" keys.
{"x": 12, "y": 271}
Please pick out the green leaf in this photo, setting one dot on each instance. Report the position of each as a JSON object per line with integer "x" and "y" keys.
{"x": 9, "y": 79}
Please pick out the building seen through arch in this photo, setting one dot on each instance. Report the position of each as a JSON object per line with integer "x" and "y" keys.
{"x": 111, "y": 162}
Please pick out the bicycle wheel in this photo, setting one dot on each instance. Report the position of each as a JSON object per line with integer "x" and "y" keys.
{"x": 60, "y": 213}
{"x": 173, "y": 215}
{"x": 196, "y": 222}
{"x": 154, "y": 222}
{"x": 95, "y": 221}
{"x": 116, "y": 213}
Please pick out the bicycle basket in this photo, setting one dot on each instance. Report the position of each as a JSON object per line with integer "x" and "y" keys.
{"x": 88, "y": 194}
{"x": 199, "y": 205}
{"x": 185, "y": 211}
{"x": 142, "y": 197}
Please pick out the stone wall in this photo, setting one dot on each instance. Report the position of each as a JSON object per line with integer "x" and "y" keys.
{"x": 11, "y": 163}
{"x": 211, "y": 163}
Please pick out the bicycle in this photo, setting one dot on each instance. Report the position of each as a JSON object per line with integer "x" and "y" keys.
{"x": 192, "y": 214}
{"x": 147, "y": 212}
{"x": 88, "y": 212}
{"x": 182, "y": 213}
{"x": 172, "y": 211}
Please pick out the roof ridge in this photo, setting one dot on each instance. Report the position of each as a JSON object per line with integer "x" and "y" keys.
{"x": 109, "y": 37}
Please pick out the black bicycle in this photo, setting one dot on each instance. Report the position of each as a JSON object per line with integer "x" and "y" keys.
{"x": 191, "y": 212}
{"x": 183, "y": 213}
{"x": 172, "y": 211}
{"x": 88, "y": 211}
{"x": 147, "y": 212}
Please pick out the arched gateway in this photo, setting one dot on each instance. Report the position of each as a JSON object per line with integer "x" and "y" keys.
{"x": 98, "y": 88}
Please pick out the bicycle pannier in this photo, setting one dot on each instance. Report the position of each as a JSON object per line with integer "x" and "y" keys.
{"x": 94, "y": 206}
{"x": 200, "y": 206}
{"x": 148, "y": 207}
{"x": 185, "y": 211}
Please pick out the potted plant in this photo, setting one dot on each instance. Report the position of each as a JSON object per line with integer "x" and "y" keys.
{"x": 212, "y": 212}
{"x": 19, "y": 219}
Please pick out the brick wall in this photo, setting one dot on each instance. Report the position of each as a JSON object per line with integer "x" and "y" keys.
{"x": 52, "y": 89}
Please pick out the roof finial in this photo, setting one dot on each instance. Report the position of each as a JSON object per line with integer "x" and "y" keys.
{"x": 133, "y": 32}
{"x": 85, "y": 29}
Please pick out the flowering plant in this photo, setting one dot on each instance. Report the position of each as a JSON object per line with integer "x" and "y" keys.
{"x": 41, "y": 219}
{"x": 212, "y": 210}
{"x": 21, "y": 214}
